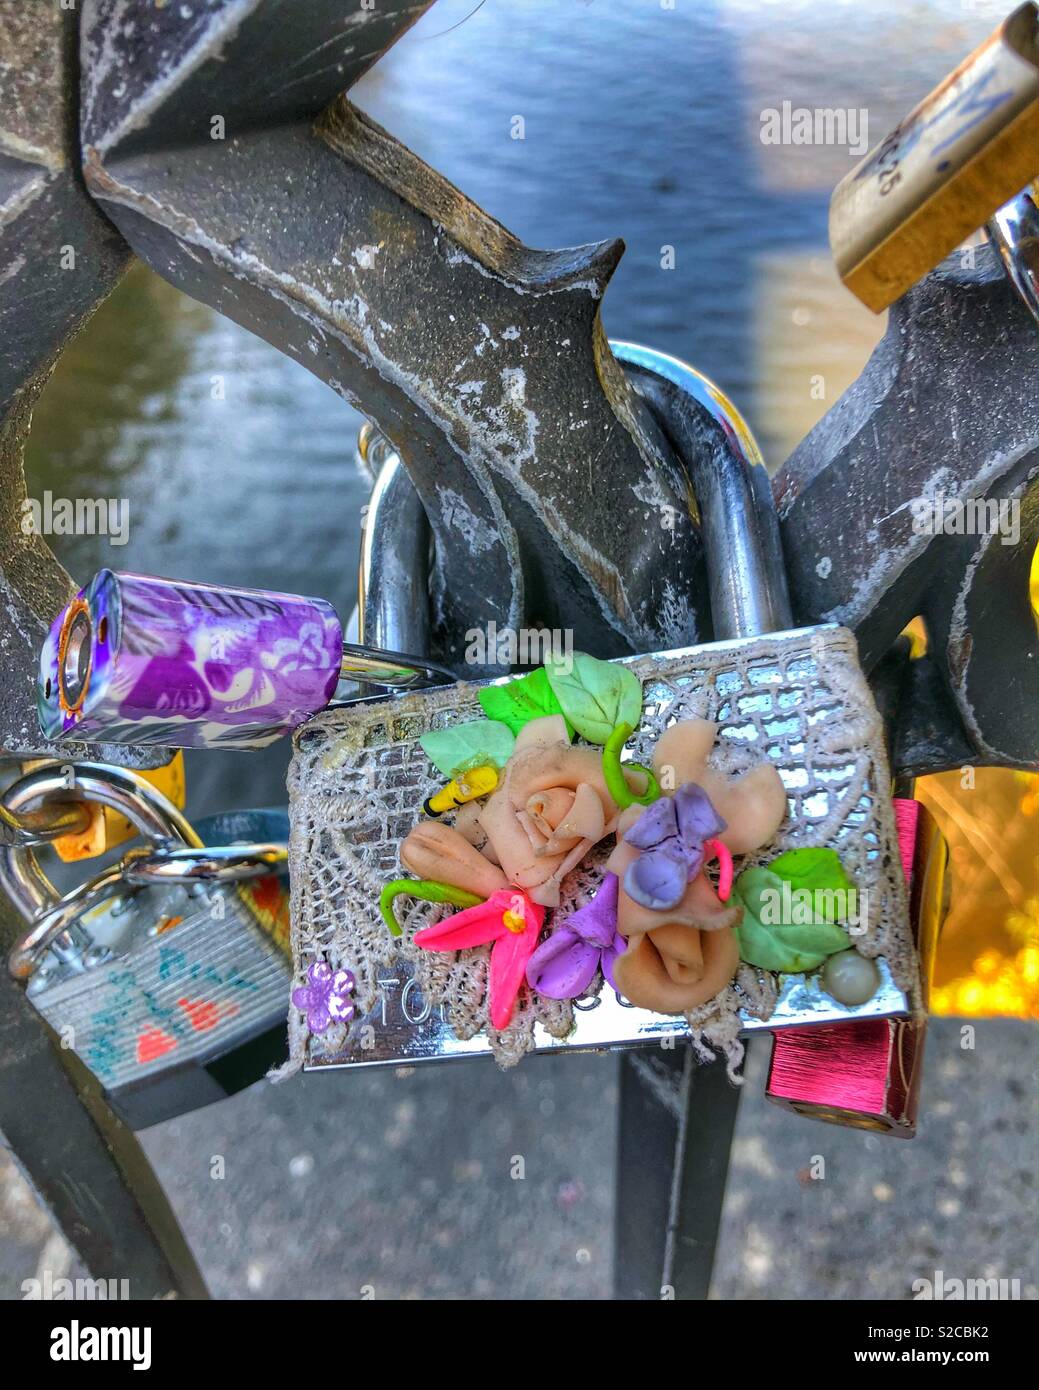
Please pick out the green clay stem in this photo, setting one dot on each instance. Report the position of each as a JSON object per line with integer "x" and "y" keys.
{"x": 616, "y": 782}
{"x": 428, "y": 889}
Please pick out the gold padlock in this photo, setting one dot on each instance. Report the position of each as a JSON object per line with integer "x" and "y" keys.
{"x": 106, "y": 828}
{"x": 965, "y": 151}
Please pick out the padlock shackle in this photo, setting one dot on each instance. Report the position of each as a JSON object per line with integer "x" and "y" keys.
{"x": 746, "y": 575}
{"x": 28, "y": 887}
{"x": 1014, "y": 231}
{"x": 213, "y": 864}
{"x": 399, "y": 670}
{"x": 55, "y": 920}
{"x": 38, "y": 827}
{"x": 748, "y": 587}
{"x": 393, "y": 576}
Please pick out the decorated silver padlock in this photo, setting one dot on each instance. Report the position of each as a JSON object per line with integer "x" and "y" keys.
{"x": 598, "y": 854}
{"x": 166, "y": 973}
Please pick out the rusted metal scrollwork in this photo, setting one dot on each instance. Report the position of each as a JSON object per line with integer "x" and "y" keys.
{"x": 59, "y": 257}
{"x": 944, "y": 411}
{"x": 482, "y": 360}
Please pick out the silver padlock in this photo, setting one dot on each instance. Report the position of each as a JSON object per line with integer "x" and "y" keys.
{"x": 166, "y": 973}
{"x": 794, "y": 696}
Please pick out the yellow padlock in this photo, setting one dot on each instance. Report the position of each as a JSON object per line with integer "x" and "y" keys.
{"x": 965, "y": 151}
{"x": 107, "y": 828}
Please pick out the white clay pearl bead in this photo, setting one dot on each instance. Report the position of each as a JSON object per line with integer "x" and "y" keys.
{"x": 850, "y": 978}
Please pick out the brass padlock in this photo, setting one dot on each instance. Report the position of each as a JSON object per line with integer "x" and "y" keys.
{"x": 970, "y": 147}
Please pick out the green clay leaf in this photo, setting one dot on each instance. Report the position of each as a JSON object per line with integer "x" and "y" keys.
{"x": 819, "y": 872}
{"x": 458, "y": 749}
{"x": 759, "y": 947}
{"x": 519, "y": 701}
{"x": 799, "y": 943}
{"x": 596, "y": 695}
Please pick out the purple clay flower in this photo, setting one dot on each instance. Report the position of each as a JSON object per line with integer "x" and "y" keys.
{"x": 697, "y": 818}
{"x": 657, "y": 823}
{"x": 564, "y": 966}
{"x": 671, "y": 834}
{"x": 658, "y": 877}
{"x": 326, "y": 999}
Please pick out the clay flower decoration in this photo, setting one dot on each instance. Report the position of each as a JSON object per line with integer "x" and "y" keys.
{"x": 675, "y": 835}
{"x": 524, "y": 807}
{"x": 513, "y": 923}
{"x": 564, "y": 966}
{"x": 682, "y": 951}
{"x": 798, "y": 930}
{"x": 326, "y": 999}
{"x": 528, "y": 808}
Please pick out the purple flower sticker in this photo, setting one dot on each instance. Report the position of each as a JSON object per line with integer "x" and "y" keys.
{"x": 326, "y": 999}
{"x": 564, "y": 966}
{"x": 671, "y": 834}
